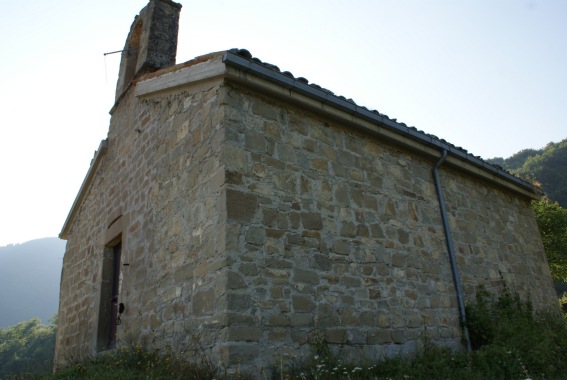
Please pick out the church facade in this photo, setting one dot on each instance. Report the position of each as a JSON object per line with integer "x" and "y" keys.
{"x": 239, "y": 208}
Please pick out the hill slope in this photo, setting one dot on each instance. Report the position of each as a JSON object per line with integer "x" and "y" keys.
{"x": 29, "y": 280}
{"x": 548, "y": 166}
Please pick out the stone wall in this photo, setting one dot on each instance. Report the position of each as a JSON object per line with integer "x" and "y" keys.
{"x": 497, "y": 240}
{"x": 250, "y": 226}
{"x": 161, "y": 181}
{"x": 335, "y": 232}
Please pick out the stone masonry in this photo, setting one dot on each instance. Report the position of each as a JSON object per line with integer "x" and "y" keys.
{"x": 252, "y": 218}
{"x": 331, "y": 230}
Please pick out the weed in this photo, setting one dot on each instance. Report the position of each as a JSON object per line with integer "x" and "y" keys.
{"x": 510, "y": 341}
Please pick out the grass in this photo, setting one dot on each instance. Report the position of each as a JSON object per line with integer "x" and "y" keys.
{"x": 510, "y": 341}
{"x": 131, "y": 363}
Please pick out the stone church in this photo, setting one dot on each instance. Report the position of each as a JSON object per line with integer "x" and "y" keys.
{"x": 237, "y": 207}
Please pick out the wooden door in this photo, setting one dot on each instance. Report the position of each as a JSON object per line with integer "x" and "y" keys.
{"x": 116, "y": 259}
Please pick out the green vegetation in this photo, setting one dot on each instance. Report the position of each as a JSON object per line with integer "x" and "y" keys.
{"x": 27, "y": 348}
{"x": 552, "y": 222}
{"x": 550, "y": 169}
{"x": 510, "y": 341}
{"x": 547, "y": 166}
{"x": 515, "y": 161}
{"x": 135, "y": 363}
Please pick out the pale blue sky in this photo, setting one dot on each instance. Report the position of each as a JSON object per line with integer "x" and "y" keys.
{"x": 487, "y": 75}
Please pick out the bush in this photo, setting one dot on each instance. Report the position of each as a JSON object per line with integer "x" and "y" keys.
{"x": 27, "y": 348}
{"x": 506, "y": 330}
{"x": 510, "y": 341}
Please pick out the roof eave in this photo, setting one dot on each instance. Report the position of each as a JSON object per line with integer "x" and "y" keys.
{"x": 95, "y": 162}
{"x": 324, "y": 97}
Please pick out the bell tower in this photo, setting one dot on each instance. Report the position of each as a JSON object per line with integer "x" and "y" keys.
{"x": 151, "y": 43}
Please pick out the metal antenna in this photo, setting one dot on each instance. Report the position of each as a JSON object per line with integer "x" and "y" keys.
{"x": 117, "y": 51}
{"x": 120, "y": 51}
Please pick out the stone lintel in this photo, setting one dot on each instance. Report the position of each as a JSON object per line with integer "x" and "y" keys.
{"x": 115, "y": 230}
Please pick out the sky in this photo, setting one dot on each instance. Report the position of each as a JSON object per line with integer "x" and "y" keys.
{"x": 487, "y": 75}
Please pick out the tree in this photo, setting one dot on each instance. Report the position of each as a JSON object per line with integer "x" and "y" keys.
{"x": 548, "y": 166}
{"x": 550, "y": 169}
{"x": 552, "y": 222}
{"x": 516, "y": 161}
{"x": 27, "y": 347}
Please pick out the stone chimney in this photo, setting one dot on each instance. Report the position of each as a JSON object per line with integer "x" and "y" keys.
{"x": 151, "y": 44}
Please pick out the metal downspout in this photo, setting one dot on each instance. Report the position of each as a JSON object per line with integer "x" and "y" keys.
{"x": 451, "y": 249}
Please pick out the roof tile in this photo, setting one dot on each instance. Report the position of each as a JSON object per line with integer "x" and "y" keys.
{"x": 246, "y": 54}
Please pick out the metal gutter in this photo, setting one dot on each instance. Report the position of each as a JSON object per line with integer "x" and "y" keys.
{"x": 451, "y": 249}
{"x": 326, "y": 97}
{"x": 95, "y": 162}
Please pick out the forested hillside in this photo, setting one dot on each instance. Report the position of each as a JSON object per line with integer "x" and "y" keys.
{"x": 29, "y": 280}
{"x": 548, "y": 166}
